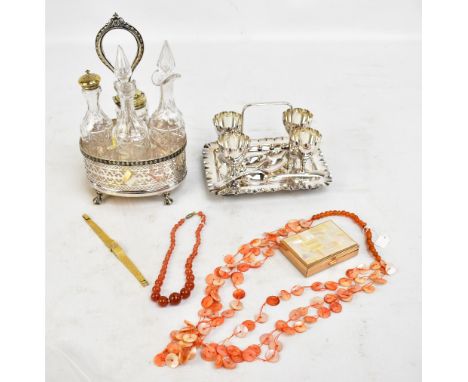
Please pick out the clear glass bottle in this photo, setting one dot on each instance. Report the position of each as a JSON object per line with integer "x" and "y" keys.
{"x": 140, "y": 105}
{"x": 130, "y": 133}
{"x": 96, "y": 125}
{"x": 166, "y": 125}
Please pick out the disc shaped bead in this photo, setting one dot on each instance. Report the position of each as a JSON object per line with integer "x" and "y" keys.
{"x": 249, "y": 324}
{"x": 272, "y": 356}
{"x": 331, "y": 285}
{"x": 204, "y": 328}
{"x": 172, "y": 360}
{"x": 160, "y": 359}
{"x": 261, "y": 318}
{"x": 297, "y": 290}
{"x": 236, "y": 305}
{"x": 317, "y": 286}
{"x": 323, "y": 312}
{"x": 335, "y": 307}
{"x": 207, "y": 301}
{"x": 249, "y": 355}
{"x": 238, "y": 294}
{"x": 240, "y": 331}
{"x": 237, "y": 278}
{"x": 273, "y": 300}
{"x": 285, "y": 295}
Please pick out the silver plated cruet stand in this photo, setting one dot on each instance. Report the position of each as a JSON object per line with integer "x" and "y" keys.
{"x": 132, "y": 155}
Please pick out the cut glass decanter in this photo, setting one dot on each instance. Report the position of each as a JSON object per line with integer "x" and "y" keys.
{"x": 96, "y": 125}
{"x": 166, "y": 125}
{"x": 130, "y": 133}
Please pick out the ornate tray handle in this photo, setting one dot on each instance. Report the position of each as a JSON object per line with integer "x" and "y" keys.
{"x": 117, "y": 22}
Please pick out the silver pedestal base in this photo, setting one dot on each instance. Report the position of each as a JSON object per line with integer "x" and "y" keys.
{"x": 135, "y": 179}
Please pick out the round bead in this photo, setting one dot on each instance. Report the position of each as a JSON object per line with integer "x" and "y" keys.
{"x": 184, "y": 293}
{"x": 174, "y": 298}
{"x": 163, "y": 301}
{"x": 155, "y": 296}
{"x": 189, "y": 285}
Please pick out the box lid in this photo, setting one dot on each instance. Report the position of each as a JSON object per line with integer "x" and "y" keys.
{"x": 318, "y": 243}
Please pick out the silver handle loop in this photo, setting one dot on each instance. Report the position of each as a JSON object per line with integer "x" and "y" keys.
{"x": 272, "y": 103}
{"x": 117, "y": 22}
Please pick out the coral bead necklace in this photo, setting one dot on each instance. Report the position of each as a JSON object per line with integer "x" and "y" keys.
{"x": 252, "y": 255}
{"x": 175, "y": 297}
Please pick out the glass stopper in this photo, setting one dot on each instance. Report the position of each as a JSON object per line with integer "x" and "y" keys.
{"x": 122, "y": 68}
{"x": 165, "y": 66}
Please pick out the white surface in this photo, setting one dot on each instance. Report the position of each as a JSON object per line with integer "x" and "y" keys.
{"x": 365, "y": 95}
{"x": 217, "y": 20}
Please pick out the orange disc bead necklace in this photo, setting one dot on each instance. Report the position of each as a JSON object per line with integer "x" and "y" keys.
{"x": 252, "y": 255}
{"x": 176, "y": 297}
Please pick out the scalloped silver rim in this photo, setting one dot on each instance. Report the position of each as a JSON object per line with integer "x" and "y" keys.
{"x": 254, "y": 189}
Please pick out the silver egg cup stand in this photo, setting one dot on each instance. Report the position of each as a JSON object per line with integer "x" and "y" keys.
{"x": 269, "y": 164}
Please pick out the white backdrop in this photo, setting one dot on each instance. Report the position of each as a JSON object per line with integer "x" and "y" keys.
{"x": 356, "y": 65}
{"x": 220, "y": 20}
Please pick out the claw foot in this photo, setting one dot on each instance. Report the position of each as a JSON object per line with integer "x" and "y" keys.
{"x": 167, "y": 199}
{"x": 98, "y": 199}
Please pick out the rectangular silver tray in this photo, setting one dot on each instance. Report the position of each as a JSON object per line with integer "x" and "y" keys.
{"x": 265, "y": 170}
